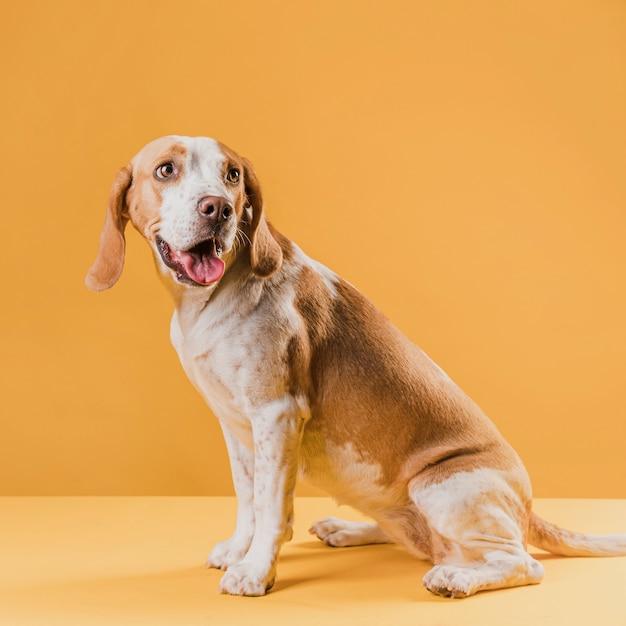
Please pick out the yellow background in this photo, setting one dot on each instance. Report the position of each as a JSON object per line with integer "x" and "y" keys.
{"x": 462, "y": 163}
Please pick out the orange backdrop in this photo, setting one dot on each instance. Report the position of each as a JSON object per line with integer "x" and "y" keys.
{"x": 462, "y": 163}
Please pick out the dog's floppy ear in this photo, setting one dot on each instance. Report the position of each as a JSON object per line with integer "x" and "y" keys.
{"x": 107, "y": 268}
{"x": 266, "y": 256}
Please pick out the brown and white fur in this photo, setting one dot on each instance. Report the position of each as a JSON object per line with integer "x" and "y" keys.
{"x": 307, "y": 377}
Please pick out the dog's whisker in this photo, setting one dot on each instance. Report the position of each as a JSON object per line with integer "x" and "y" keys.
{"x": 244, "y": 237}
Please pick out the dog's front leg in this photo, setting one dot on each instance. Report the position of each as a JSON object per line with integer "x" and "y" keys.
{"x": 228, "y": 553}
{"x": 277, "y": 430}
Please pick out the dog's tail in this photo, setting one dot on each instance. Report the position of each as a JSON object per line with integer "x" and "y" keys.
{"x": 550, "y": 537}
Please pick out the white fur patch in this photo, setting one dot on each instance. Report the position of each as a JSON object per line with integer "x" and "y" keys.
{"x": 202, "y": 176}
{"x": 342, "y": 471}
{"x": 481, "y": 507}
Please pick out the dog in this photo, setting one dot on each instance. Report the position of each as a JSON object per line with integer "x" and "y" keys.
{"x": 308, "y": 378}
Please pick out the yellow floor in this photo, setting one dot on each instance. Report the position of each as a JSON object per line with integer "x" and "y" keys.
{"x": 128, "y": 561}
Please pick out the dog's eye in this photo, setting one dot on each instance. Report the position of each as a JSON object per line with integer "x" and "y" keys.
{"x": 165, "y": 170}
{"x": 233, "y": 175}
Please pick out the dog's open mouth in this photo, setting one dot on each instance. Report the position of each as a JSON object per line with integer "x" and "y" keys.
{"x": 201, "y": 265}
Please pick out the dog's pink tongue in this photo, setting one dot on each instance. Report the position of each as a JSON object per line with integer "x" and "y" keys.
{"x": 202, "y": 268}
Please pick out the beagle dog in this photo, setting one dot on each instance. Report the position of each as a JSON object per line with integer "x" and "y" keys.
{"x": 308, "y": 378}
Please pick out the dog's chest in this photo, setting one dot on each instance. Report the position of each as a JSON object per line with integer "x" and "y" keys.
{"x": 216, "y": 361}
{"x": 233, "y": 359}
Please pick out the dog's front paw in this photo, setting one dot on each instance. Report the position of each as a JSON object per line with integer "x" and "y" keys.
{"x": 227, "y": 553}
{"x": 245, "y": 579}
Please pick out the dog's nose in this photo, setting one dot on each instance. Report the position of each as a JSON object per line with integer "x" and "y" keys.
{"x": 215, "y": 209}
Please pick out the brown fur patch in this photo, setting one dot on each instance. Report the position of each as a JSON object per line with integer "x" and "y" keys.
{"x": 144, "y": 195}
{"x": 232, "y": 159}
{"x": 378, "y": 392}
{"x": 313, "y": 302}
{"x": 266, "y": 256}
{"x": 109, "y": 262}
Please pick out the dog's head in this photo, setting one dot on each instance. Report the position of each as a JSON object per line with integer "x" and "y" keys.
{"x": 197, "y": 203}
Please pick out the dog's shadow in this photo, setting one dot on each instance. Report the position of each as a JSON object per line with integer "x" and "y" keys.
{"x": 336, "y": 577}
{"x": 380, "y": 571}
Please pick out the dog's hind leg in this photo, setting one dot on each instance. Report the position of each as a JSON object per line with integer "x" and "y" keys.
{"x": 402, "y": 525}
{"x": 505, "y": 569}
{"x": 337, "y": 533}
{"x": 478, "y": 522}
